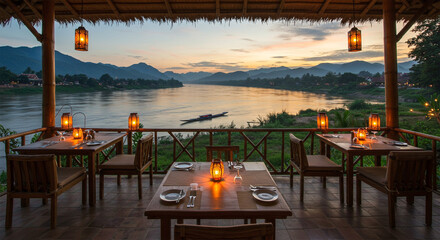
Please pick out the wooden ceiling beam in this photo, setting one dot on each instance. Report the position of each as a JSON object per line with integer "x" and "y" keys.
{"x": 23, "y": 19}
{"x": 113, "y": 7}
{"x": 217, "y": 8}
{"x": 324, "y": 6}
{"x": 411, "y": 22}
{"x": 369, "y": 6}
{"x": 245, "y": 2}
{"x": 167, "y": 4}
{"x": 281, "y": 6}
{"x": 31, "y": 6}
{"x": 71, "y": 9}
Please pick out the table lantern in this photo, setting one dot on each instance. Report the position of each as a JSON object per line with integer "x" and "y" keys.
{"x": 77, "y": 133}
{"x": 322, "y": 120}
{"x": 133, "y": 121}
{"x": 362, "y": 134}
{"x": 66, "y": 121}
{"x": 374, "y": 122}
{"x": 217, "y": 170}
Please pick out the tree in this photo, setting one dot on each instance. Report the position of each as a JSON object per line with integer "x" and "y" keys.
{"x": 6, "y": 76}
{"x": 426, "y": 52}
{"x": 29, "y": 70}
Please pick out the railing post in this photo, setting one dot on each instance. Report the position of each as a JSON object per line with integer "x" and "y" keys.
{"x": 245, "y": 149}
{"x": 210, "y": 138}
{"x": 7, "y": 147}
{"x": 416, "y": 142}
{"x": 174, "y": 150}
{"x": 155, "y": 151}
{"x": 434, "y": 172}
{"x": 312, "y": 144}
{"x": 23, "y": 140}
{"x": 282, "y": 151}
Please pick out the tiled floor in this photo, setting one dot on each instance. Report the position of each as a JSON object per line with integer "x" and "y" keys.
{"x": 121, "y": 215}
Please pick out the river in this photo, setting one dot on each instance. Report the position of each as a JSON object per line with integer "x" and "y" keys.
{"x": 163, "y": 108}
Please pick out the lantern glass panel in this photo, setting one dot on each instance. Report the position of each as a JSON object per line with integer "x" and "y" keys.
{"x": 81, "y": 39}
{"x": 77, "y": 133}
{"x": 354, "y": 40}
{"x": 217, "y": 170}
{"x": 66, "y": 121}
{"x": 133, "y": 121}
{"x": 322, "y": 120}
{"x": 374, "y": 122}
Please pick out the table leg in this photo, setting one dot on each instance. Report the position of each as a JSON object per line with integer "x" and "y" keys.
{"x": 165, "y": 229}
{"x": 92, "y": 179}
{"x": 322, "y": 147}
{"x": 349, "y": 179}
{"x": 273, "y": 221}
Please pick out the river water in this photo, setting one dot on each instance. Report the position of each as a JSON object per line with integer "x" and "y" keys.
{"x": 163, "y": 108}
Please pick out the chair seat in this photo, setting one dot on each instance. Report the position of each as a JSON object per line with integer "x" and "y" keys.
{"x": 121, "y": 161}
{"x": 376, "y": 174}
{"x": 68, "y": 174}
{"x": 322, "y": 163}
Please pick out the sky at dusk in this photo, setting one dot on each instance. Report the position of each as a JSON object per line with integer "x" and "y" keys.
{"x": 212, "y": 47}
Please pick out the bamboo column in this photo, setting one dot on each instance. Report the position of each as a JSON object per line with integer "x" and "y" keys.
{"x": 390, "y": 54}
{"x": 48, "y": 62}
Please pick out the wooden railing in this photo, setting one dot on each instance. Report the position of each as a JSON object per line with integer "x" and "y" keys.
{"x": 253, "y": 141}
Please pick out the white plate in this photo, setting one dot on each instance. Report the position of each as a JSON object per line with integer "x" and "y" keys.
{"x": 172, "y": 195}
{"x": 400, "y": 143}
{"x": 94, "y": 143}
{"x": 330, "y": 135}
{"x": 265, "y": 195}
{"x": 183, "y": 165}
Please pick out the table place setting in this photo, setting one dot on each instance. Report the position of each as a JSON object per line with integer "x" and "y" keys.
{"x": 183, "y": 166}
{"x": 48, "y": 143}
{"x": 359, "y": 146}
{"x": 396, "y": 143}
{"x": 331, "y": 135}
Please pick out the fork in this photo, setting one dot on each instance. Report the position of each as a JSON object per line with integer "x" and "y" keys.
{"x": 193, "y": 194}
{"x": 191, "y": 197}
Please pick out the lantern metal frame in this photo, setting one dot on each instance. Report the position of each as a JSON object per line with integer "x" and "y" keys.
{"x": 69, "y": 117}
{"x": 81, "y": 34}
{"x": 85, "y": 120}
{"x": 133, "y": 116}
{"x": 354, "y": 36}
{"x": 216, "y": 164}
{"x": 322, "y": 121}
{"x": 374, "y": 122}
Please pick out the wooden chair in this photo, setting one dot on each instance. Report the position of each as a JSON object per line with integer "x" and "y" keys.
{"x": 408, "y": 173}
{"x": 227, "y": 150}
{"x": 247, "y": 231}
{"x": 312, "y": 165}
{"x": 129, "y": 164}
{"x": 37, "y": 176}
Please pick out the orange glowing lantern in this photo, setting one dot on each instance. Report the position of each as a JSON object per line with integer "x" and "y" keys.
{"x": 354, "y": 40}
{"x": 362, "y": 134}
{"x": 322, "y": 121}
{"x": 217, "y": 170}
{"x": 66, "y": 121}
{"x": 133, "y": 121}
{"x": 81, "y": 39}
{"x": 77, "y": 133}
{"x": 374, "y": 122}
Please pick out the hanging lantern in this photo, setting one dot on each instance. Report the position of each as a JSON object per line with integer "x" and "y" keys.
{"x": 77, "y": 133}
{"x": 216, "y": 170}
{"x": 322, "y": 121}
{"x": 362, "y": 134}
{"x": 81, "y": 39}
{"x": 133, "y": 121}
{"x": 354, "y": 40}
{"x": 66, "y": 121}
{"x": 374, "y": 122}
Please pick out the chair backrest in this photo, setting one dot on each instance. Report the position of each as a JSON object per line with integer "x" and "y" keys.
{"x": 297, "y": 152}
{"x": 248, "y": 231}
{"x": 31, "y": 174}
{"x": 144, "y": 151}
{"x": 409, "y": 171}
{"x": 227, "y": 150}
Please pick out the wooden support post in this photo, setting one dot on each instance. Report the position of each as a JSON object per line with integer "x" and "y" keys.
{"x": 48, "y": 48}
{"x": 390, "y": 53}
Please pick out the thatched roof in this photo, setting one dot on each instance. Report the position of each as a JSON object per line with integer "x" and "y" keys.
{"x": 67, "y": 11}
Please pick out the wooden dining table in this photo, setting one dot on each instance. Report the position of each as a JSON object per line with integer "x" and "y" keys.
{"x": 370, "y": 147}
{"x": 72, "y": 147}
{"x": 217, "y": 200}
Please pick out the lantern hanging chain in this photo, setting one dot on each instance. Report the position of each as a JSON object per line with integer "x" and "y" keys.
{"x": 353, "y": 15}
{"x": 62, "y": 109}
{"x": 81, "y": 14}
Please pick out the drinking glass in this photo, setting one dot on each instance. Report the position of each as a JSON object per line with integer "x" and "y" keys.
{"x": 61, "y": 134}
{"x": 374, "y": 134}
{"x": 238, "y": 179}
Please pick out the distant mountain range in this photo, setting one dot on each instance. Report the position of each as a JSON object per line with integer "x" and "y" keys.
{"x": 18, "y": 59}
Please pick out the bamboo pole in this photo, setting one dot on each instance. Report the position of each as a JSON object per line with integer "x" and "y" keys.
{"x": 390, "y": 54}
{"x": 48, "y": 56}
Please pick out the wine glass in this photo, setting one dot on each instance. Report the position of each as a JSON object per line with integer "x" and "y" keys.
{"x": 238, "y": 179}
{"x": 374, "y": 132}
{"x": 61, "y": 134}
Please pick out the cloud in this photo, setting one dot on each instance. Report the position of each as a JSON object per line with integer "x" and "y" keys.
{"x": 343, "y": 55}
{"x": 240, "y": 50}
{"x": 279, "y": 56}
{"x": 177, "y": 68}
{"x": 248, "y": 39}
{"x": 314, "y": 32}
{"x": 229, "y": 67}
{"x": 138, "y": 57}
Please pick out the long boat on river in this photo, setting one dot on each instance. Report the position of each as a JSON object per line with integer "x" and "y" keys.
{"x": 204, "y": 117}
